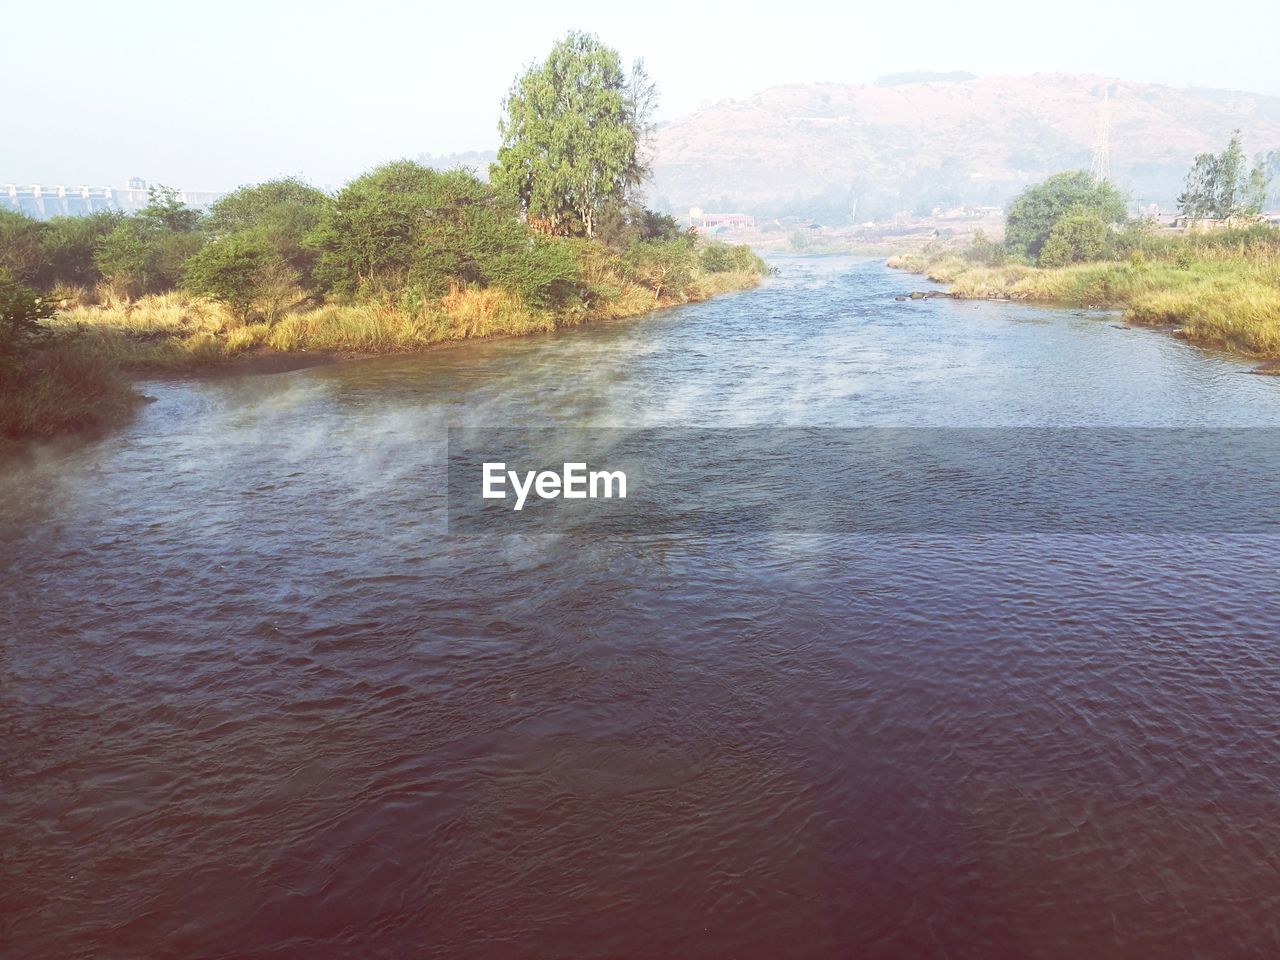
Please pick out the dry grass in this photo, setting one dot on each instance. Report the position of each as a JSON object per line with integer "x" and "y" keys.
{"x": 63, "y": 386}
{"x": 75, "y": 382}
{"x": 709, "y": 285}
{"x": 1221, "y": 297}
{"x": 178, "y": 331}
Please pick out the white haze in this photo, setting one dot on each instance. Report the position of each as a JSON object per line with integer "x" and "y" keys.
{"x": 208, "y": 96}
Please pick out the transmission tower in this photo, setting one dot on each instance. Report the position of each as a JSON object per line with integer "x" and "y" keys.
{"x": 1100, "y": 168}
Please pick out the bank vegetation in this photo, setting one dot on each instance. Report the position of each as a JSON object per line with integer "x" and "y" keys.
{"x": 1068, "y": 241}
{"x": 400, "y": 259}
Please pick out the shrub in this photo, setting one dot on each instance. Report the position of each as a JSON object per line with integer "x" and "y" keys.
{"x": 717, "y": 257}
{"x": 21, "y": 255}
{"x": 1078, "y": 237}
{"x": 662, "y": 265}
{"x": 48, "y": 384}
{"x": 281, "y": 213}
{"x": 244, "y": 271}
{"x": 1038, "y": 209}
{"x": 984, "y": 251}
{"x": 408, "y": 226}
{"x": 68, "y": 245}
{"x": 141, "y": 256}
{"x": 61, "y": 386}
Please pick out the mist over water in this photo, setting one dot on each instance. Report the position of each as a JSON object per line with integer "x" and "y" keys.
{"x": 258, "y": 702}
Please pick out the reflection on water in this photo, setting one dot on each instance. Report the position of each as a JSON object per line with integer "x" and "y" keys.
{"x": 256, "y": 703}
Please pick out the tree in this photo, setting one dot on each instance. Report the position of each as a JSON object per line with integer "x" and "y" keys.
{"x": 1078, "y": 237}
{"x": 1199, "y": 197}
{"x": 1038, "y": 209}
{"x": 573, "y": 134}
{"x": 140, "y": 255}
{"x": 1035, "y": 212}
{"x": 1222, "y": 187}
{"x": 620, "y": 224}
{"x": 662, "y": 264}
{"x": 22, "y": 312}
{"x": 21, "y": 254}
{"x": 69, "y": 245}
{"x": 145, "y": 253}
{"x": 166, "y": 210}
{"x": 370, "y": 238}
{"x": 279, "y": 212}
{"x": 404, "y": 226}
{"x": 243, "y": 270}
{"x": 1269, "y": 164}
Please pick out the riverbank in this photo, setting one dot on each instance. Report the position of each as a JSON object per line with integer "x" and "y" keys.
{"x": 1228, "y": 299}
{"x": 82, "y": 379}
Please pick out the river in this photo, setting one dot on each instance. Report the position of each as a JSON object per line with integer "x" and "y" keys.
{"x": 257, "y": 702}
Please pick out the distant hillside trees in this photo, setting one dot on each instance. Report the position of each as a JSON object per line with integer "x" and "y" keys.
{"x": 572, "y": 135}
{"x": 1080, "y": 210}
{"x": 1223, "y": 187}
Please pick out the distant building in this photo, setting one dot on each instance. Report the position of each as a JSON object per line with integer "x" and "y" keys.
{"x": 719, "y": 222}
{"x": 1210, "y": 224}
{"x": 41, "y": 202}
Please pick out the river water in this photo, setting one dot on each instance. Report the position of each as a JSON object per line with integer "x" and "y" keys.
{"x": 257, "y": 702}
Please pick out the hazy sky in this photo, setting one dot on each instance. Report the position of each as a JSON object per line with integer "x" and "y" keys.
{"x": 211, "y": 95}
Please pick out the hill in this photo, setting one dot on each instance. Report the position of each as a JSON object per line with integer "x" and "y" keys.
{"x": 916, "y": 141}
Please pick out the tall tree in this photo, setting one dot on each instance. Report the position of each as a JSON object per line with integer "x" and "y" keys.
{"x": 573, "y": 135}
{"x": 1270, "y": 166}
{"x": 166, "y": 209}
{"x": 1222, "y": 186}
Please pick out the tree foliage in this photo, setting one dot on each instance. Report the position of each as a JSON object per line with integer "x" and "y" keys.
{"x": 405, "y": 226}
{"x": 166, "y": 211}
{"x": 21, "y": 252}
{"x": 69, "y": 245}
{"x": 572, "y": 135}
{"x": 1037, "y": 210}
{"x": 140, "y": 255}
{"x": 243, "y": 270}
{"x": 1078, "y": 237}
{"x": 662, "y": 264}
{"x": 1268, "y": 165}
{"x": 1222, "y": 187}
{"x": 280, "y": 213}
{"x": 145, "y": 253}
{"x": 621, "y": 224}
{"x": 22, "y": 311}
